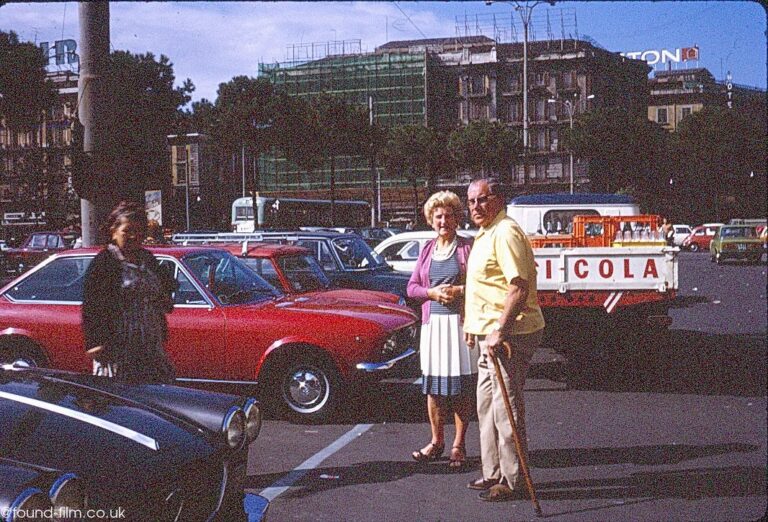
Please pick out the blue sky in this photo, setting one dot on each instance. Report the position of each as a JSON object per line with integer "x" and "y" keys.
{"x": 212, "y": 42}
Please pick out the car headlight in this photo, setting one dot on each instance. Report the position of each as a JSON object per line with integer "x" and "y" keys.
{"x": 31, "y": 500}
{"x": 68, "y": 496}
{"x": 390, "y": 346}
{"x": 233, "y": 427}
{"x": 253, "y": 418}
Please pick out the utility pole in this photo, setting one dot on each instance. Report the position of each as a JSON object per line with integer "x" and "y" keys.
{"x": 93, "y": 110}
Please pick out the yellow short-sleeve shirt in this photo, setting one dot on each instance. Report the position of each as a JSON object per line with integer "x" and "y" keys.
{"x": 500, "y": 253}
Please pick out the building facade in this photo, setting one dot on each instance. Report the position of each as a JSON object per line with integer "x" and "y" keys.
{"x": 35, "y": 179}
{"x": 675, "y": 94}
{"x": 445, "y": 83}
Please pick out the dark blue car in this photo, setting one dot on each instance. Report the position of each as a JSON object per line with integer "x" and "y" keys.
{"x": 78, "y": 447}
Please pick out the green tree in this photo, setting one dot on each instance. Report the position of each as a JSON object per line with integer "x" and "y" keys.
{"x": 721, "y": 164}
{"x": 296, "y": 131}
{"x": 416, "y": 153}
{"x": 490, "y": 148}
{"x": 25, "y": 92}
{"x": 244, "y": 115}
{"x": 340, "y": 127}
{"x": 622, "y": 150}
{"x": 145, "y": 105}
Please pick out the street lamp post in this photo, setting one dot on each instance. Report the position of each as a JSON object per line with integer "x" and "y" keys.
{"x": 570, "y": 107}
{"x": 186, "y": 184}
{"x": 525, "y": 9}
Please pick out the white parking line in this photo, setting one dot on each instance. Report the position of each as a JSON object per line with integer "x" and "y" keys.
{"x": 279, "y": 487}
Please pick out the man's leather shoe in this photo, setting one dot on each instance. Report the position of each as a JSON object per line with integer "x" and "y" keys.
{"x": 482, "y": 484}
{"x": 501, "y": 493}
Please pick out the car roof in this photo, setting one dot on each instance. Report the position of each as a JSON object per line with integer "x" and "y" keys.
{"x": 171, "y": 250}
{"x": 255, "y": 249}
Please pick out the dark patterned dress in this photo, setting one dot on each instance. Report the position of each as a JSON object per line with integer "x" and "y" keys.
{"x": 124, "y": 307}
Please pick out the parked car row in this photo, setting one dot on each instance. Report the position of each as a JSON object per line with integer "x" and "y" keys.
{"x": 229, "y": 326}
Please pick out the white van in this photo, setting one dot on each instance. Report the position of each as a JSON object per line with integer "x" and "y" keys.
{"x": 553, "y": 213}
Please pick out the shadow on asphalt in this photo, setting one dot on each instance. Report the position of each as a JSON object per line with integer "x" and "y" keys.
{"x": 659, "y": 455}
{"x": 373, "y": 472}
{"x": 684, "y": 362}
{"x": 693, "y": 483}
{"x": 733, "y": 481}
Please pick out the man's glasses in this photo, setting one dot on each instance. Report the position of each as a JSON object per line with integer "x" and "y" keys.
{"x": 480, "y": 200}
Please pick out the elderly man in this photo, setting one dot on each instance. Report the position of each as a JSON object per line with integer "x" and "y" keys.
{"x": 501, "y": 306}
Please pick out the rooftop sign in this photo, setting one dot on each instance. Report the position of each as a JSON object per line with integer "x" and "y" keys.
{"x": 652, "y": 57}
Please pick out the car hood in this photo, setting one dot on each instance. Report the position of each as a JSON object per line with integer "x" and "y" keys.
{"x": 58, "y": 424}
{"x": 388, "y": 316}
{"x": 344, "y": 295}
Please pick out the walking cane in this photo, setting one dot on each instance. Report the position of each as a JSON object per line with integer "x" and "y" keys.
{"x": 515, "y": 434}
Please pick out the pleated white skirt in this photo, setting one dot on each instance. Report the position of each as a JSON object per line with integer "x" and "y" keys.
{"x": 448, "y": 366}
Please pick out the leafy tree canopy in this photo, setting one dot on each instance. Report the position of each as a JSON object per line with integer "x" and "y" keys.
{"x": 24, "y": 90}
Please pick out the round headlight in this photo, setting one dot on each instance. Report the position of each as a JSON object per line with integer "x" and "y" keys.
{"x": 233, "y": 427}
{"x": 30, "y": 501}
{"x": 253, "y": 417}
{"x": 390, "y": 346}
{"x": 67, "y": 496}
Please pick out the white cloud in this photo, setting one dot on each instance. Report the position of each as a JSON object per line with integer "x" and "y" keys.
{"x": 211, "y": 43}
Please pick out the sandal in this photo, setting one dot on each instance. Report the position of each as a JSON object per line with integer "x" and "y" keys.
{"x": 434, "y": 452}
{"x": 458, "y": 457}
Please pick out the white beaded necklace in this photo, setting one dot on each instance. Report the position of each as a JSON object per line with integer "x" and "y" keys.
{"x": 444, "y": 253}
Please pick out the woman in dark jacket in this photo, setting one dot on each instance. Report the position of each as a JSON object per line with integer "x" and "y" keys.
{"x": 125, "y": 298}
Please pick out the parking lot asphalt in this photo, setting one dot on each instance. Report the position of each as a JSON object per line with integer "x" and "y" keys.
{"x": 681, "y": 435}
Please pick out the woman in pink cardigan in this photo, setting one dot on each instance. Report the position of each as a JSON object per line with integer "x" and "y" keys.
{"x": 448, "y": 366}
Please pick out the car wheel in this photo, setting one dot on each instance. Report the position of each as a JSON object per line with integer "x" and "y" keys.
{"x": 310, "y": 389}
{"x": 693, "y": 247}
{"x": 20, "y": 356}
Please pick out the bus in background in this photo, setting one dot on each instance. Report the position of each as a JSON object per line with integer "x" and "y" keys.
{"x": 291, "y": 213}
{"x": 553, "y": 213}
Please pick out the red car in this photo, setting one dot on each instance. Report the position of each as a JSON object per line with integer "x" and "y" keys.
{"x": 700, "y": 238}
{"x": 294, "y": 270}
{"x": 228, "y": 326}
{"x": 36, "y": 247}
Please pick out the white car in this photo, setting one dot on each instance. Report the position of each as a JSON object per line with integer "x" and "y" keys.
{"x": 681, "y": 232}
{"x": 401, "y": 251}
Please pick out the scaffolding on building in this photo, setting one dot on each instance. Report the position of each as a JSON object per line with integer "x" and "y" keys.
{"x": 508, "y": 27}
{"x": 389, "y": 84}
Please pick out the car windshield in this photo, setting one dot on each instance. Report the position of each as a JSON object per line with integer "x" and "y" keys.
{"x": 303, "y": 272}
{"x": 355, "y": 253}
{"x": 228, "y": 279}
{"x": 746, "y": 232}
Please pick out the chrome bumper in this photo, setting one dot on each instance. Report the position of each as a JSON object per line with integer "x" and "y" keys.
{"x": 385, "y": 365}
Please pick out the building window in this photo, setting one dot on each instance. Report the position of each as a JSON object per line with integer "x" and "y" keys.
{"x": 568, "y": 79}
{"x": 540, "y": 78}
{"x": 661, "y": 115}
{"x": 514, "y": 112}
{"x": 554, "y": 139}
{"x": 477, "y": 84}
{"x": 540, "y": 107}
{"x": 685, "y": 111}
{"x": 541, "y": 139}
{"x": 478, "y": 111}
{"x": 513, "y": 81}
